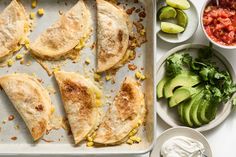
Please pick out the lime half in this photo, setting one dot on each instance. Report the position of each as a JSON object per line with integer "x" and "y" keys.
{"x": 171, "y": 28}
{"x": 182, "y": 18}
{"x": 167, "y": 12}
{"x": 180, "y": 4}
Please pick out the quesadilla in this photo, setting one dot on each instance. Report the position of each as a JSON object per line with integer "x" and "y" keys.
{"x": 13, "y": 28}
{"x": 82, "y": 100}
{"x": 126, "y": 112}
{"x": 113, "y": 30}
{"x": 70, "y": 32}
{"x": 30, "y": 99}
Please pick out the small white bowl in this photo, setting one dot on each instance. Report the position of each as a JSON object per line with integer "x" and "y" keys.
{"x": 170, "y": 115}
{"x": 191, "y": 28}
{"x": 180, "y": 131}
{"x": 209, "y": 38}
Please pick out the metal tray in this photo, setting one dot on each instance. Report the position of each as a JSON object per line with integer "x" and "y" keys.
{"x": 63, "y": 144}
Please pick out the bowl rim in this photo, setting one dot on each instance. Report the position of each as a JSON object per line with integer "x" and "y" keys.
{"x": 190, "y": 35}
{"x": 180, "y": 128}
{"x": 205, "y": 33}
{"x": 227, "y": 109}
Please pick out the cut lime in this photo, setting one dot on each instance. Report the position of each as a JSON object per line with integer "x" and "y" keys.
{"x": 171, "y": 28}
{"x": 180, "y": 4}
{"x": 182, "y": 18}
{"x": 167, "y": 12}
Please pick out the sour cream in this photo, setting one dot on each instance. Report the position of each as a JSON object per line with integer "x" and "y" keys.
{"x": 181, "y": 146}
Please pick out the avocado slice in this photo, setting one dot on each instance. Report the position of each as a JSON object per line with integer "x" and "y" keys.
{"x": 211, "y": 111}
{"x": 181, "y": 111}
{"x": 180, "y": 95}
{"x": 201, "y": 113}
{"x": 187, "y": 107}
{"x": 194, "y": 109}
{"x": 160, "y": 87}
{"x": 184, "y": 79}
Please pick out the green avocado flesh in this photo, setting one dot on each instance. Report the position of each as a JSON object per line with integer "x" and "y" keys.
{"x": 186, "y": 80}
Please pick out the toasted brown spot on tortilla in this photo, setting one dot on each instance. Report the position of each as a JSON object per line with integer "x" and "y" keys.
{"x": 39, "y": 108}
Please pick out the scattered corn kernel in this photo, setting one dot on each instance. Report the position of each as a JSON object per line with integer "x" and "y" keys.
{"x": 135, "y": 139}
{"x": 93, "y": 135}
{"x": 87, "y": 61}
{"x": 32, "y": 15}
{"x": 26, "y": 27}
{"x": 56, "y": 69}
{"x": 80, "y": 45}
{"x": 129, "y": 141}
{"x": 97, "y": 77}
{"x": 108, "y": 77}
{"x": 133, "y": 132}
{"x": 90, "y": 144}
{"x": 40, "y": 12}
{"x": 19, "y": 56}
{"x": 52, "y": 109}
{"x": 90, "y": 139}
{"x": 142, "y": 32}
{"x": 139, "y": 75}
{"x": 33, "y": 3}
{"x": 98, "y": 95}
{"x": 10, "y": 62}
{"x": 140, "y": 122}
{"x": 98, "y": 102}
{"x": 17, "y": 48}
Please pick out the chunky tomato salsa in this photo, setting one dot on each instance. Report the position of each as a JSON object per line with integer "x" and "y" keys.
{"x": 220, "y": 22}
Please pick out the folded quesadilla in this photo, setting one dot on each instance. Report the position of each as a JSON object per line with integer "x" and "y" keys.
{"x": 13, "y": 28}
{"x": 113, "y": 30}
{"x": 126, "y": 112}
{"x": 82, "y": 100}
{"x": 70, "y": 32}
{"x": 30, "y": 99}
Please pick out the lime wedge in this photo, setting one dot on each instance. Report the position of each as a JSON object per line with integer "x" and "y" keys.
{"x": 167, "y": 12}
{"x": 171, "y": 28}
{"x": 180, "y": 4}
{"x": 182, "y": 18}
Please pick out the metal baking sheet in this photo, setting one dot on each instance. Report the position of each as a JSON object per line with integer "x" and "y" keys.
{"x": 62, "y": 142}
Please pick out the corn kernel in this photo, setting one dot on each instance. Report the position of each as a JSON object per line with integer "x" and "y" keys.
{"x": 52, "y": 109}
{"x": 90, "y": 139}
{"x": 32, "y": 15}
{"x": 139, "y": 75}
{"x": 17, "y": 48}
{"x": 129, "y": 141}
{"x": 19, "y": 56}
{"x": 33, "y": 3}
{"x": 87, "y": 61}
{"x": 27, "y": 46}
{"x": 97, "y": 77}
{"x": 41, "y": 11}
{"x": 10, "y": 62}
{"x": 80, "y": 45}
{"x": 94, "y": 134}
{"x": 98, "y": 95}
{"x": 26, "y": 27}
{"x": 140, "y": 122}
{"x": 26, "y": 41}
{"x": 56, "y": 69}
{"x": 142, "y": 32}
{"x": 98, "y": 102}
{"x": 135, "y": 139}
{"x": 90, "y": 144}
{"x": 133, "y": 132}
{"x": 108, "y": 77}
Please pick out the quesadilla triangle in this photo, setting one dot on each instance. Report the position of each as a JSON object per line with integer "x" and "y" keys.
{"x": 113, "y": 30}
{"x": 13, "y": 28}
{"x": 31, "y": 100}
{"x": 82, "y": 101}
{"x": 126, "y": 113}
{"x": 69, "y": 32}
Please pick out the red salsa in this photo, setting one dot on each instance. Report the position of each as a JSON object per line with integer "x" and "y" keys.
{"x": 220, "y": 22}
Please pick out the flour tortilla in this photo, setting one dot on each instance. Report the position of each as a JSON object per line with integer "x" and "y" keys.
{"x": 65, "y": 34}
{"x": 30, "y": 99}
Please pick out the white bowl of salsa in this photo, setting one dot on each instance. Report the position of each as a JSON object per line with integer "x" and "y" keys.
{"x": 219, "y": 22}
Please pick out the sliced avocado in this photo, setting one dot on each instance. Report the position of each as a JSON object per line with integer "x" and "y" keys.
{"x": 180, "y": 95}
{"x": 211, "y": 111}
{"x": 181, "y": 111}
{"x": 193, "y": 111}
{"x": 185, "y": 79}
{"x": 201, "y": 113}
{"x": 186, "y": 109}
{"x": 160, "y": 87}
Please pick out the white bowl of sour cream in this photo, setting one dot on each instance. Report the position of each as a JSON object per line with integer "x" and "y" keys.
{"x": 181, "y": 142}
